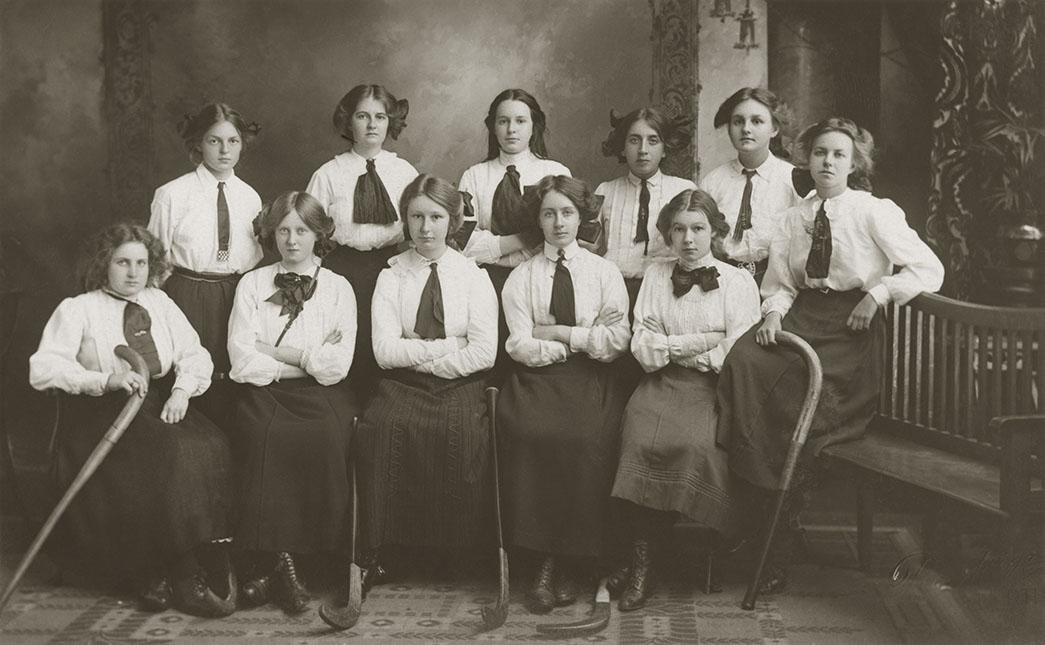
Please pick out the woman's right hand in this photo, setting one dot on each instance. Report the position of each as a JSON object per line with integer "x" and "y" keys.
{"x": 766, "y": 334}
{"x": 129, "y": 382}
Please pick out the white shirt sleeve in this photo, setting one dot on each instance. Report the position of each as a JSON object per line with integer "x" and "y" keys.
{"x": 779, "y": 288}
{"x": 161, "y": 221}
{"x": 605, "y": 343}
{"x": 329, "y": 363}
{"x": 54, "y": 364}
{"x": 193, "y": 366}
{"x": 921, "y": 269}
{"x": 741, "y": 311}
{"x": 649, "y": 348}
{"x": 390, "y": 348}
{"x": 481, "y": 351}
{"x": 521, "y": 345}
{"x": 248, "y": 364}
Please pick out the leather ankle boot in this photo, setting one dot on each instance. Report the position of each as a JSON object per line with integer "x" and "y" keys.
{"x": 194, "y": 597}
{"x": 294, "y": 595}
{"x": 637, "y": 592}
{"x": 256, "y": 591}
{"x": 540, "y": 596}
{"x": 565, "y": 586}
{"x": 157, "y": 595}
{"x": 616, "y": 581}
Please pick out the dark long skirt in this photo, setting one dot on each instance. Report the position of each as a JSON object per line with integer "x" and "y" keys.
{"x": 559, "y": 428}
{"x": 206, "y": 300}
{"x": 162, "y": 491}
{"x": 761, "y": 389}
{"x": 361, "y": 269}
{"x": 422, "y": 453}
{"x": 503, "y": 363}
{"x": 668, "y": 457}
{"x": 291, "y": 446}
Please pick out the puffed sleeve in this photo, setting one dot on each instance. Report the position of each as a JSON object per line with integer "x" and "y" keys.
{"x": 741, "y": 311}
{"x": 481, "y": 351}
{"x": 248, "y": 364}
{"x": 391, "y": 350}
{"x": 605, "y": 343}
{"x": 921, "y": 269}
{"x": 649, "y": 348}
{"x": 483, "y": 246}
{"x": 779, "y": 287}
{"x": 319, "y": 187}
{"x": 521, "y": 345}
{"x": 193, "y": 366}
{"x": 329, "y": 363}
{"x": 161, "y": 220}
{"x": 54, "y": 364}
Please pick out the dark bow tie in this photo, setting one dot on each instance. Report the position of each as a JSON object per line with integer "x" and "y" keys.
{"x": 683, "y": 281}
{"x": 294, "y": 290}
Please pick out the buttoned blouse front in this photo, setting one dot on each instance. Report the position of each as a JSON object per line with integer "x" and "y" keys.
{"x": 480, "y": 181}
{"x": 331, "y": 308}
{"x": 597, "y": 286}
{"x": 334, "y": 185}
{"x": 772, "y": 192}
{"x": 620, "y": 217}
{"x": 185, "y": 219}
{"x": 869, "y": 237}
{"x": 76, "y": 349}
{"x": 469, "y": 313}
{"x": 701, "y": 326}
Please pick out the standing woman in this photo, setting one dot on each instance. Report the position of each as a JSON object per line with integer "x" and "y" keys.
{"x": 423, "y": 444}
{"x": 560, "y": 407}
{"x": 160, "y": 499}
{"x": 203, "y": 219}
{"x": 292, "y": 339}
{"x": 831, "y": 269}
{"x": 754, "y": 189}
{"x": 360, "y": 190}
{"x": 689, "y": 314}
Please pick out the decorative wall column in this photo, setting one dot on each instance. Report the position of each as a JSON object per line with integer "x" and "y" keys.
{"x": 675, "y": 65}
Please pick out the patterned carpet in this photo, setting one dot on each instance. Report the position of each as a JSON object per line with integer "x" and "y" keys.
{"x": 828, "y": 601}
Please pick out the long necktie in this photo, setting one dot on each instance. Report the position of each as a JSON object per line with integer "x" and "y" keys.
{"x": 563, "y": 306}
{"x": 682, "y": 281}
{"x": 137, "y": 329}
{"x": 293, "y": 290}
{"x": 223, "y": 224}
{"x": 642, "y": 227}
{"x": 507, "y": 200}
{"x": 819, "y": 261}
{"x": 744, "y": 216}
{"x": 429, "y": 322}
{"x": 370, "y": 202}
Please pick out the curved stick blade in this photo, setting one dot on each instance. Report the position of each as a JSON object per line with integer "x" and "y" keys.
{"x": 494, "y": 617}
{"x": 593, "y": 624}
{"x": 341, "y": 618}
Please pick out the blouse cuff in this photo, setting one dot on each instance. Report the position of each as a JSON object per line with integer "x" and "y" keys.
{"x": 192, "y": 385}
{"x": 579, "y": 337}
{"x": 95, "y": 383}
{"x": 881, "y": 295}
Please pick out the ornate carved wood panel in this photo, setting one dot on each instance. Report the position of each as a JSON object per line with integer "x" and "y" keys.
{"x": 675, "y": 65}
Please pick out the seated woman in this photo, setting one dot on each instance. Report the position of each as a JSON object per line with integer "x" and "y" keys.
{"x": 160, "y": 499}
{"x": 423, "y": 444}
{"x": 291, "y": 340}
{"x": 688, "y": 314}
{"x": 831, "y": 268}
{"x": 560, "y": 409}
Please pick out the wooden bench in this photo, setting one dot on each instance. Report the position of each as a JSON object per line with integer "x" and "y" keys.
{"x": 961, "y": 416}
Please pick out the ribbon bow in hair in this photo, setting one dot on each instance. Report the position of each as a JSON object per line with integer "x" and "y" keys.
{"x": 682, "y": 281}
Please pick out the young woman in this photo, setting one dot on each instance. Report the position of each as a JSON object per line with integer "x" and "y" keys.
{"x": 756, "y": 187}
{"x": 292, "y": 339}
{"x": 689, "y": 314}
{"x": 360, "y": 190}
{"x": 203, "y": 219}
{"x": 560, "y": 408}
{"x": 831, "y": 269}
{"x": 160, "y": 499}
{"x": 423, "y": 444}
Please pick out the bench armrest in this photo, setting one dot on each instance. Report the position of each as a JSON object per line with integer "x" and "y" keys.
{"x": 1021, "y": 437}
{"x": 1018, "y": 425}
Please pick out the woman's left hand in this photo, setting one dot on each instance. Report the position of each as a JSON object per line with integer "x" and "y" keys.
{"x": 176, "y": 406}
{"x": 265, "y": 348}
{"x": 863, "y": 314}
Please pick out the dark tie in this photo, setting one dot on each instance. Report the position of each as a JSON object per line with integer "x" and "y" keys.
{"x": 744, "y": 216}
{"x": 294, "y": 290}
{"x": 429, "y": 322}
{"x": 223, "y": 224}
{"x": 641, "y": 228}
{"x": 507, "y": 200}
{"x": 137, "y": 329}
{"x": 682, "y": 281}
{"x": 819, "y": 261}
{"x": 371, "y": 203}
{"x": 563, "y": 307}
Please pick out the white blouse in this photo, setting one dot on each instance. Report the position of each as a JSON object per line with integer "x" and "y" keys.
{"x": 597, "y": 286}
{"x": 481, "y": 181}
{"x": 76, "y": 350}
{"x": 334, "y": 185}
{"x": 469, "y": 313}
{"x": 332, "y": 307}
{"x": 620, "y": 217}
{"x": 702, "y": 327}
{"x": 772, "y": 192}
{"x": 185, "y": 219}
{"x": 869, "y": 237}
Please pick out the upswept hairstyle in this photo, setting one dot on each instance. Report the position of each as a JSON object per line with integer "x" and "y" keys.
{"x": 673, "y": 131}
{"x": 346, "y": 107}
{"x": 700, "y": 201}
{"x": 540, "y": 125}
{"x": 194, "y": 126}
{"x": 778, "y": 110}
{"x": 439, "y": 191}
{"x": 863, "y": 148}
{"x": 98, "y": 250}
{"x": 576, "y": 190}
{"x": 308, "y": 209}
